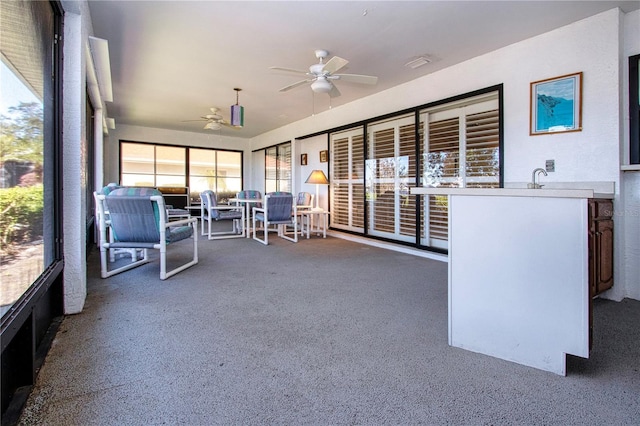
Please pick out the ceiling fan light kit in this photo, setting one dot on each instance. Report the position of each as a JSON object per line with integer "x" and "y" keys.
{"x": 214, "y": 120}
{"x": 237, "y": 112}
{"x": 212, "y": 125}
{"x": 321, "y": 85}
{"x": 321, "y": 75}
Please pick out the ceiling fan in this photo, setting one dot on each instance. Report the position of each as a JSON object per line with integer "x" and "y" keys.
{"x": 214, "y": 120}
{"x": 322, "y": 75}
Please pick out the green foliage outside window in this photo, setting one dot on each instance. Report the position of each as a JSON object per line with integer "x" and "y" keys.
{"x": 20, "y": 215}
{"x": 21, "y": 194}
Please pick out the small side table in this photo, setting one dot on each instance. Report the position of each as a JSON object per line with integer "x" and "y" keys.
{"x": 314, "y": 221}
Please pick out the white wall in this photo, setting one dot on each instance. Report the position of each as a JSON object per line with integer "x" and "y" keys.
{"x": 77, "y": 27}
{"x": 312, "y": 147}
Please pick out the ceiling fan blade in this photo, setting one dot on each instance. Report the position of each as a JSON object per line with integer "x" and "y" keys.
{"x": 212, "y": 117}
{"x": 287, "y": 70}
{"x": 291, "y": 86}
{"x": 357, "y": 78}
{"x": 334, "y": 92}
{"x": 336, "y": 63}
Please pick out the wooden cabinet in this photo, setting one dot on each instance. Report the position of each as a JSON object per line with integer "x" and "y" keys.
{"x": 600, "y": 245}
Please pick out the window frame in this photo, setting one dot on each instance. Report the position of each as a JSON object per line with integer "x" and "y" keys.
{"x": 634, "y": 109}
{"x": 187, "y": 165}
{"x": 28, "y": 328}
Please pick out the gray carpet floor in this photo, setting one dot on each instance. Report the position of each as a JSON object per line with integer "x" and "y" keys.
{"x": 322, "y": 332}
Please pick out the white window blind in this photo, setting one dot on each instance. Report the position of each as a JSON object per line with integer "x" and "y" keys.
{"x": 391, "y": 171}
{"x": 347, "y": 180}
{"x": 461, "y": 149}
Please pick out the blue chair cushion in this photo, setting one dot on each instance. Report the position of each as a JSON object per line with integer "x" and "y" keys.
{"x": 178, "y": 233}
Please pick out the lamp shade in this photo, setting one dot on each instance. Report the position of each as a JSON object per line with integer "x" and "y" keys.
{"x": 317, "y": 177}
{"x": 237, "y": 111}
{"x": 237, "y": 115}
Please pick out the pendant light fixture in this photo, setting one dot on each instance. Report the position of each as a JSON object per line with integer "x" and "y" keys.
{"x": 237, "y": 111}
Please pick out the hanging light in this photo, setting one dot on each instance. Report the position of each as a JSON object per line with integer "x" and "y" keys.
{"x": 237, "y": 112}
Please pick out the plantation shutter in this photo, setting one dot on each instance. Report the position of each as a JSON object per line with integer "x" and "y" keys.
{"x": 482, "y": 150}
{"x": 270, "y": 169}
{"x": 461, "y": 150}
{"x": 347, "y": 180}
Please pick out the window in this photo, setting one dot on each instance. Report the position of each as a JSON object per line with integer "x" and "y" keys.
{"x": 634, "y": 110}
{"x": 278, "y": 168}
{"x": 347, "y": 180}
{"x": 146, "y": 164}
{"x": 31, "y": 283}
{"x": 28, "y": 159}
{"x": 461, "y": 149}
{"x": 90, "y": 173}
{"x": 390, "y": 173}
{"x": 220, "y": 171}
{"x": 152, "y": 165}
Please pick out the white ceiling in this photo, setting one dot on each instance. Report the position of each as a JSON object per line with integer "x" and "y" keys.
{"x": 173, "y": 60}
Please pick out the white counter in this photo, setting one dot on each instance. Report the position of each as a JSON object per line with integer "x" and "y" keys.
{"x": 518, "y": 273}
{"x": 515, "y": 192}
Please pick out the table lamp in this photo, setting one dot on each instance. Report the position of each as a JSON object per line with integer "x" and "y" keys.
{"x": 319, "y": 178}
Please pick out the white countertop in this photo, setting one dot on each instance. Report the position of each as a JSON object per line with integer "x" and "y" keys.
{"x": 514, "y": 192}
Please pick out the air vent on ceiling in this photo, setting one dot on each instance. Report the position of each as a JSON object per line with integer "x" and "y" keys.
{"x": 418, "y": 62}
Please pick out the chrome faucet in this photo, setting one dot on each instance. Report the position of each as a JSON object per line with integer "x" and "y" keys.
{"x": 536, "y": 172}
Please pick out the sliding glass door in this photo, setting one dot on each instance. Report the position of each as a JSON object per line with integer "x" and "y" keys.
{"x": 452, "y": 144}
{"x": 347, "y": 180}
{"x": 461, "y": 149}
{"x": 390, "y": 173}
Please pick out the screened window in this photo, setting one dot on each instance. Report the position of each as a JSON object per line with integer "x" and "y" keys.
{"x": 144, "y": 164}
{"x": 278, "y": 168}
{"x": 28, "y": 142}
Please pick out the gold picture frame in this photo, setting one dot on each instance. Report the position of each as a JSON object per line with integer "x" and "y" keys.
{"x": 556, "y": 105}
{"x": 324, "y": 156}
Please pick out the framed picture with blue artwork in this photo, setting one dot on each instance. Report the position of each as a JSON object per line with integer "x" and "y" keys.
{"x": 556, "y": 105}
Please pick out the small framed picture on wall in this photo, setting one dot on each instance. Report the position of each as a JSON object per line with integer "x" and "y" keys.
{"x": 303, "y": 159}
{"x": 556, "y": 105}
{"x": 324, "y": 156}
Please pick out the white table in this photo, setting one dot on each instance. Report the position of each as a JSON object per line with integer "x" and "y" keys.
{"x": 314, "y": 221}
{"x": 248, "y": 202}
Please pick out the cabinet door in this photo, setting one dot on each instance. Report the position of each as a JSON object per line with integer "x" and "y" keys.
{"x": 604, "y": 255}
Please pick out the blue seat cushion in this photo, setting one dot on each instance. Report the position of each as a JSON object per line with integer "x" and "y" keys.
{"x": 178, "y": 233}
